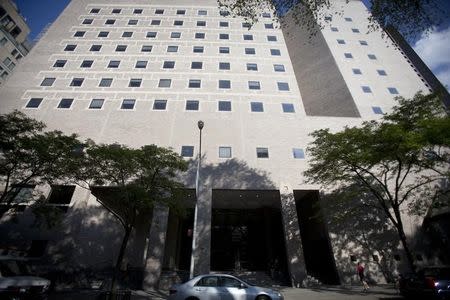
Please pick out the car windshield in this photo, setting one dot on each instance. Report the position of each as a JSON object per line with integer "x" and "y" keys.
{"x": 246, "y": 282}
{"x": 13, "y": 268}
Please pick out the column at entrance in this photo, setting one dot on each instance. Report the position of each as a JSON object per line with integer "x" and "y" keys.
{"x": 201, "y": 247}
{"x": 293, "y": 240}
{"x": 155, "y": 247}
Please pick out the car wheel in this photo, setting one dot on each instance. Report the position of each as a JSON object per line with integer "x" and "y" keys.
{"x": 192, "y": 298}
{"x": 263, "y": 297}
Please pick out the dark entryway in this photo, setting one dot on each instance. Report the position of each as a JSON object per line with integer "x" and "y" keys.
{"x": 317, "y": 250}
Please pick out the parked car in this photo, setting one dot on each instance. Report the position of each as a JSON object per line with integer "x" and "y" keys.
{"x": 428, "y": 283}
{"x": 17, "y": 281}
{"x": 220, "y": 287}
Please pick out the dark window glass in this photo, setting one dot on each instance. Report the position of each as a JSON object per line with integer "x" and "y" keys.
{"x": 283, "y": 86}
{"x": 132, "y": 22}
{"x": 113, "y": 63}
{"x": 48, "y": 81}
{"x": 254, "y": 85}
{"x": 164, "y": 83}
{"x": 121, "y": 48}
{"x": 278, "y": 68}
{"x": 256, "y": 106}
{"x": 224, "y": 36}
{"x": 224, "y": 105}
{"x": 172, "y": 48}
{"x": 200, "y": 35}
{"x": 275, "y": 52}
{"x": 106, "y": 82}
{"x": 268, "y": 26}
{"x": 175, "y": 35}
{"x": 201, "y": 23}
{"x": 116, "y": 11}
{"x": 110, "y": 22}
{"x": 95, "y": 11}
{"x": 159, "y": 11}
{"x": 60, "y": 63}
{"x": 137, "y": 11}
{"x": 252, "y": 67}
{"x": 70, "y": 47}
{"x": 288, "y": 107}
{"x": 86, "y": 64}
{"x": 262, "y": 152}
{"x": 168, "y": 65}
{"x": 250, "y": 51}
{"x": 127, "y": 34}
{"x": 198, "y": 49}
{"x": 96, "y": 104}
{"x": 159, "y": 104}
{"x": 192, "y": 105}
{"x": 79, "y": 33}
{"x": 224, "y": 84}
{"x": 146, "y": 48}
{"x": 271, "y": 38}
{"x": 224, "y": 50}
{"x": 77, "y": 82}
{"x": 65, "y": 103}
{"x": 223, "y": 24}
{"x": 348, "y": 55}
{"x": 34, "y": 103}
{"x": 224, "y": 66}
{"x": 135, "y": 82}
{"x": 61, "y": 194}
{"x": 194, "y": 83}
{"x": 248, "y": 37}
{"x": 95, "y": 48}
{"x": 298, "y": 153}
{"x": 103, "y": 34}
{"x": 141, "y": 64}
{"x": 151, "y": 34}
{"x": 155, "y": 22}
{"x": 178, "y": 23}
{"x": 187, "y": 151}
{"x": 181, "y": 12}
{"x": 196, "y": 65}
{"x": 87, "y": 21}
{"x": 377, "y": 110}
{"x": 128, "y": 104}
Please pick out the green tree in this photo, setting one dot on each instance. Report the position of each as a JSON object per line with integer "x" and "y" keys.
{"x": 410, "y": 17}
{"x": 31, "y": 156}
{"x": 400, "y": 161}
{"x": 136, "y": 180}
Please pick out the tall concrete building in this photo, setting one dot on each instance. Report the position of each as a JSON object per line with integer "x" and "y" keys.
{"x": 145, "y": 72}
{"x": 13, "y": 38}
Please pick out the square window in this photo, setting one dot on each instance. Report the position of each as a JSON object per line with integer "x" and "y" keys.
{"x": 159, "y": 11}
{"x": 60, "y": 63}
{"x": 283, "y": 86}
{"x": 377, "y": 110}
{"x": 127, "y": 34}
{"x": 116, "y": 11}
{"x": 48, "y": 81}
{"x": 278, "y": 68}
{"x": 77, "y": 82}
{"x": 355, "y": 30}
{"x": 175, "y": 35}
{"x": 198, "y": 49}
{"x": 250, "y": 51}
{"x": 224, "y": 84}
{"x": 132, "y": 22}
{"x": 288, "y": 107}
{"x": 34, "y": 103}
{"x": 168, "y": 65}
{"x": 224, "y": 13}
{"x": 128, "y": 104}
{"x": 160, "y": 105}
{"x": 224, "y": 65}
{"x": 256, "y": 106}
{"x": 224, "y": 152}
{"x": 348, "y": 55}
{"x": 103, "y": 34}
{"x": 137, "y": 11}
{"x": 187, "y": 151}
{"x": 95, "y": 48}
{"x": 110, "y": 22}
{"x": 252, "y": 67}
{"x": 334, "y": 29}
{"x": 192, "y": 105}
{"x": 393, "y": 90}
{"x": 151, "y": 34}
{"x": 155, "y": 22}
{"x": 348, "y": 19}
{"x": 224, "y": 50}
{"x": 135, "y": 82}
{"x": 248, "y": 37}
{"x": 146, "y": 48}
{"x": 200, "y": 35}
{"x": 113, "y": 63}
{"x": 298, "y": 153}
{"x": 366, "y": 89}
{"x": 195, "y": 83}
{"x": 342, "y": 42}
{"x": 96, "y": 103}
{"x": 196, "y": 65}
{"x": 275, "y": 52}
{"x": 268, "y": 26}
{"x": 181, "y": 11}
{"x": 141, "y": 64}
{"x": 254, "y": 85}
{"x": 95, "y": 10}
{"x": 178, "y": 23}
{"x": 371, "y": 56}
{"x": 65, "y": 103}
{"x": 262, "y": 152}
{"x": 70, "y": 47}
{"x": 79, "y": 34}
{"x": 201, "y": 23}
{"x": 266, "y": 15}
{"x": 165, "y": 83}
{"x": 172, "y": 48}
{"x": 363, "y": 43}
{"x": 357, "y": 71}
{"x": 86, "y": 64}
{"x": 121, "y": 48}
{"x": 202, "y": 12}
{"x": 87, "y": 21}
{"x": 246, "y": 25}
{"x": 271, "y": 38}
{"x": 105, "y": 82}
{"x": 224, "y": 105}
{"x": 381, "y": 72}
{"x": 224, "y": 24}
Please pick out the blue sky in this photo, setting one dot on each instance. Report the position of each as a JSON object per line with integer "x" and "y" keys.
{"x": 433, "y": 48}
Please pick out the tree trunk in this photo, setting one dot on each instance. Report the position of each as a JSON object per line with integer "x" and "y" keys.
{"x": 123, "y": 247}
{"x": 402, "y": 235}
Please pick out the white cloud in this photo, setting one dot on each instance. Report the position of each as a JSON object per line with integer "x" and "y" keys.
{"x": 434, "y": 50}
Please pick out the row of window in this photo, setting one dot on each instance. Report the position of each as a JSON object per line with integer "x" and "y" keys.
{"x": 195, "y": 65}
{"x": 226, "y": 152}
{"x": 158, "y": 22}
{"x": 166, "y": 83}
{"x": 354, "y": 30}
{"x": 148, "y": 48}
{"x": 361, "y": 42}
{"x": 177, "y": 35}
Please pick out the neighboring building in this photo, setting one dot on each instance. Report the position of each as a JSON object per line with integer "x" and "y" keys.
{"x": 140, "y": 72}
{"x": 13, "y": 38}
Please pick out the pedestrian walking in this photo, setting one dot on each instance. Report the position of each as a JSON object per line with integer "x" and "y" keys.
{"x": 360, "y": 272}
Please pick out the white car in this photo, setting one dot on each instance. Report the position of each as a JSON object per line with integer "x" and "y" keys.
{"x": 17, "y": 282}
{"x": 220, "y": 287}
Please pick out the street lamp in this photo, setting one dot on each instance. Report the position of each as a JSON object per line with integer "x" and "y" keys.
{"x": 200, "y": 125}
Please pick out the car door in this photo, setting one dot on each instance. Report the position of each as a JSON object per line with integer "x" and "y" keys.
{"x": 207, "y": 288}
{"x": 232, "y": 289}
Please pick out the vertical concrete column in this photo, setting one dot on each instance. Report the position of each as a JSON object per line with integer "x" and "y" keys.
{"x": 201, "y": 250}
{"x": 293, "y": 239}
{"x": 155, "y": 247}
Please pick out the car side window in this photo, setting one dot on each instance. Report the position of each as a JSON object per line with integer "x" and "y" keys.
{"x": 208, "y": 281}
{"x": 229, "y": 282}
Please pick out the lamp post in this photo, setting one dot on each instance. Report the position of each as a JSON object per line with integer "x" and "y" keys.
{"x": 200, "y": 125}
